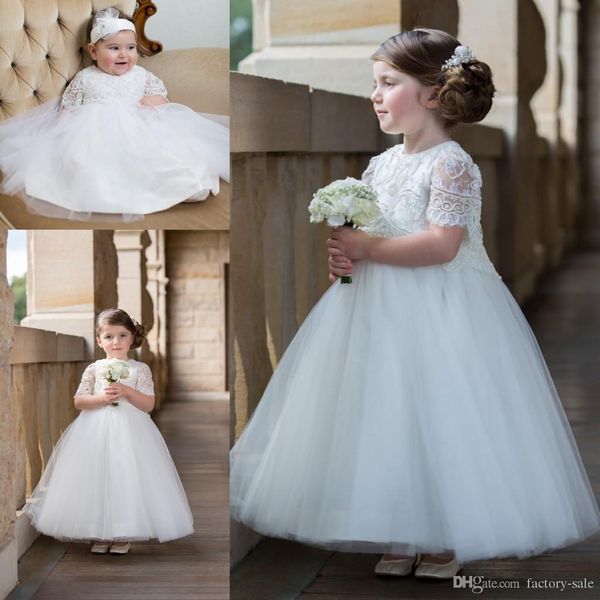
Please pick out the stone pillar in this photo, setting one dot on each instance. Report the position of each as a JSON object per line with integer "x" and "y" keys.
{"x": 71, "y": 277}
{"x": 545, "y": 105}
{"x": 324, "y": 44}
{"x": 590, "y": 151}
{"x": 157, "y": 288}
{"x": 571, "y": 200}
{"x": 515, "y": 49}
{"x": 8, "y": 451}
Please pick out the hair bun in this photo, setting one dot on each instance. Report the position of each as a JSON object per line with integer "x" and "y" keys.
{"x": 138, "y": 335}
{"x": 466, "y": 93}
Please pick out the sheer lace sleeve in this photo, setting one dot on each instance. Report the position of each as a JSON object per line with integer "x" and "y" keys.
{"x": 455, "y": 185}
{"x": 367, "y": 176}
{"x": 144, "y": 383}
{"x": 154, "y": 86}
{"x": 73, "y": 95}
{"x": 88, "y": 379}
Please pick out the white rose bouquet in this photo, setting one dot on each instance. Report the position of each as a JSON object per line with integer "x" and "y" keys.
{"x": 114, "y": 369}
{"x": 346, "y": 202}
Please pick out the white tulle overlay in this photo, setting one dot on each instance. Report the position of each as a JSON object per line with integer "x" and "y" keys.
{"x": 110, "y": 476}
{"x": 413, "y": 411}
{"x": 104, "y": 153}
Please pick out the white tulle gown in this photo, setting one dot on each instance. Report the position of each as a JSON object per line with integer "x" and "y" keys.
{"x": 110, "y": 476}
{"x": 413, "y": 411}
{"x": 98, "y": 152}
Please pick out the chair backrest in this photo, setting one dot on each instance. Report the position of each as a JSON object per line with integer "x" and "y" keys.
{"x": 42, "y": 46}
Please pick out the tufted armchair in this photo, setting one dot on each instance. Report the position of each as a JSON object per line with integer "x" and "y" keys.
{"x": 42, "y": 46}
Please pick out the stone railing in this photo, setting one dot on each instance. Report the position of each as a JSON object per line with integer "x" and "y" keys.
{"x": 45, "y": 370}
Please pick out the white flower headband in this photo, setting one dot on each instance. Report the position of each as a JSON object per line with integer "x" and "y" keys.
{"x": 107, "y": 23}
{"x": 462, "y": 54}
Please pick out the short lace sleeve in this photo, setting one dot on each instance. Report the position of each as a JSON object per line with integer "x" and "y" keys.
{"x": 367, "y": 176}
{"x": 73, "y": 95}
{"x": 154, "y": 86}
{"x": 88, "y": 380}
{"x": 144, "y": 383}
{"x": 455, "y": 187}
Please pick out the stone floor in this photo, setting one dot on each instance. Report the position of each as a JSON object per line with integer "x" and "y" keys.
{"x": 197, "y": 434}
{"x": 565, "y": 316}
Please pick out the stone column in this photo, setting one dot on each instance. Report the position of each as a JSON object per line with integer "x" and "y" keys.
{"x": 324, "y": 44}
{"x": 515, "y": 49}
{"x": 8, "y": 451}
{"x": 71, "y": 277}
{"x": 157, "y": 288}
{"x": 545, "y": 105}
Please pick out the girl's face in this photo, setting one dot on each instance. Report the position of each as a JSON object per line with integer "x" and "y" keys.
{"x": 401, "y": 102}
{"x": 116, "y": 55}
{"x": 115, "y": 340}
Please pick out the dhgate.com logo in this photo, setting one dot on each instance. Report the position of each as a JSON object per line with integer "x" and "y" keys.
{"x": 478, "y": 583}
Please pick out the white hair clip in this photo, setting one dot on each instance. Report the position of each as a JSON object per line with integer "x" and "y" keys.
{"x": 462, "y": 54}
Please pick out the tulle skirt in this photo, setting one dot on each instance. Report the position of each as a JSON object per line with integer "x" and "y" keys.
{"x": 112, "y": 158}
{"x": 111, "y": 477}
{"x": 413, "y": 411}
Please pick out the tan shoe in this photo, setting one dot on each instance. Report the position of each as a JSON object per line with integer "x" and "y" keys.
{"x": 121, "y": 549}
{"x": 438, "y": 571}
{"x": 100, "y": 547}
{"x": 396, "y": 567}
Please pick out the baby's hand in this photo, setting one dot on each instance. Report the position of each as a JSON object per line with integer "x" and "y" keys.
{"x": 117, "y": 390}
{"x": 152, "y": 101}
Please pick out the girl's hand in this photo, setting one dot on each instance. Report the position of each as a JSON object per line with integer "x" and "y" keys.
{"x": 117, "y": 390}
{"x": 152, "y": 101}
{"x": 338, "y": 264}
{"x": 350, "y": 243}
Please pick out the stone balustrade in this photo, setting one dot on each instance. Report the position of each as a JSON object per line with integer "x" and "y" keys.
{"x": 44, "y": 371}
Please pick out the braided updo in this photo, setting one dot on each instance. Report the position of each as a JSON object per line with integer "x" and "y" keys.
{"x": 464, "y": 92}
{"x": 117, "y": 316}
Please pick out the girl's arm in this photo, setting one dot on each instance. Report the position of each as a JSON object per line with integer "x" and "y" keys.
{"x": 139, "y": 399}
{"x": 84, "y": 398}
{"x": 90, "y": 401}
{"x": 434, "y": 246}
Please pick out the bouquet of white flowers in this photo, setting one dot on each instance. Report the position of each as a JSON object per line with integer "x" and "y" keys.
{"x": 112, "y": 370}
{"x": 344, "y": 202}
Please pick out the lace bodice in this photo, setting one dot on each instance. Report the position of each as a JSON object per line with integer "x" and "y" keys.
{"x": 438, "y": 186}
{"x": 140, "y": 378}
{"x": 94, "y": 85}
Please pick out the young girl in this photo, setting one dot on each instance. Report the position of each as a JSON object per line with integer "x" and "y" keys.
{"x": 113, "y": 144}
{"x": 413, "y": 411}
{"x": 110, "y": 478}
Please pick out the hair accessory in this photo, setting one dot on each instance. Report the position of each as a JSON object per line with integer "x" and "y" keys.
{"x": 107, "y": 23}
{"x": 462, "y": 54}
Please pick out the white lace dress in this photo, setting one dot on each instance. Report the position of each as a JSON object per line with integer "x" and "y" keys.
{"x": 413, "y": 410}
{"x": 110, "y": 476}
{"x": 97, "y": 151}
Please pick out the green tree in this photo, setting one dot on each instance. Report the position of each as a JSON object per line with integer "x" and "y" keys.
{"x": 240, "y": 31}
{"x": 18, "y": 285}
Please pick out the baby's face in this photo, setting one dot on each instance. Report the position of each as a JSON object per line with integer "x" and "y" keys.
{"x": 116, "y": 55}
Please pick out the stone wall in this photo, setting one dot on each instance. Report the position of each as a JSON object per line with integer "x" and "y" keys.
{"x": 196, "y": 312}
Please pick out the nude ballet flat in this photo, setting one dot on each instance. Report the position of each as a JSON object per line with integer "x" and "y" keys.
{"x": 443, "y": 571}
{"x": 398, "y": 567}
{"x": 120, "y": 549}
{"x": 100, "y": 547}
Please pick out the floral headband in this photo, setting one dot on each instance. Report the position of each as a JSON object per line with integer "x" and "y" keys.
{"x": 462, "y": 54}
{"x": 107, "y": 23}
